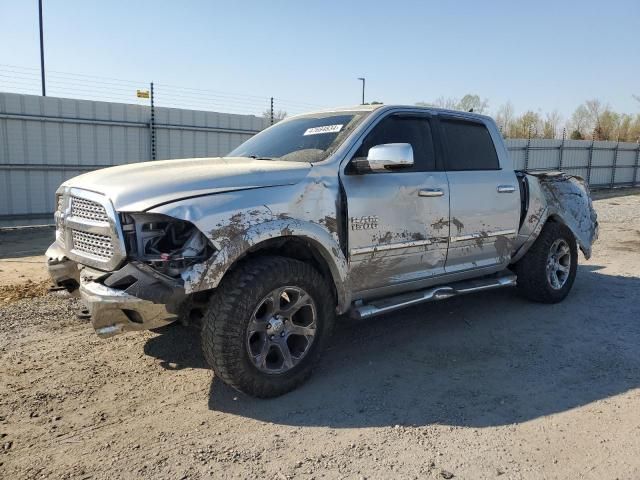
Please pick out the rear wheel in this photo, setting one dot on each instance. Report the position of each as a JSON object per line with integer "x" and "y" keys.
{"x": 547, "y": 272}
{"x": 267, "y": 324}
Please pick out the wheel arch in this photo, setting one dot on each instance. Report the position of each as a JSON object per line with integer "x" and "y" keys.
{"x": 578, "y": 235}
{"x": 304, "y": 241}
{"x": 304, "y": 249}
{"x": 555, "y": 217}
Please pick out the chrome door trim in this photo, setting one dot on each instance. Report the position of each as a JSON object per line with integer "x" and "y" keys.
{"x": 431, "y": 192}
{"x": 389, "y": 246}
{"x": 472, "y": 236}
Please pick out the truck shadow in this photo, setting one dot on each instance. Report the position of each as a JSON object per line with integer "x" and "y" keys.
{"x": 483, "y": 360}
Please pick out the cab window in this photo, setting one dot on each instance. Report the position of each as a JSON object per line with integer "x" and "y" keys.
{"x": 410, "y": 129}
{"x": 469, "y": 146}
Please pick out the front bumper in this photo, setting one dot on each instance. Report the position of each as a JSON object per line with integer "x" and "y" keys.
{"x": 115, "y": 311}
{"x": 63, "y": 271}
{"x": 146, "y": 300}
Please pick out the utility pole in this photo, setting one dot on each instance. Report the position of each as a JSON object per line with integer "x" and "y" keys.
{"x": 44, "y": 91}
{"x": 271, "y": 111}
{"x": 363, "y": 82}
{"x": 152, "y": 126}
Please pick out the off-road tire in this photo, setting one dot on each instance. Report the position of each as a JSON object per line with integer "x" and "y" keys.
{"x": 225, "y": 323}
{"x": 533, "y": 282}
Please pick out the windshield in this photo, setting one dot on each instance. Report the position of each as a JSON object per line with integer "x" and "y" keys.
{"x": 311, "y": 138}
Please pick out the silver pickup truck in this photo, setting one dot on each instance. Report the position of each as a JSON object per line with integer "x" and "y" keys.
{"x": 358, "y": 211}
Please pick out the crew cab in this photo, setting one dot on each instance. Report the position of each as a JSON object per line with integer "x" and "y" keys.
{"x": 356, "y": 211}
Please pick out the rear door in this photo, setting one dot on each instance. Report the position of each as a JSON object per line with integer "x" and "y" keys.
{"x": 397, "y": 220}
{"x": 484, "y": 196}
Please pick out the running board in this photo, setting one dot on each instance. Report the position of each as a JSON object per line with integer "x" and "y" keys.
{"x": 391, "y": 304}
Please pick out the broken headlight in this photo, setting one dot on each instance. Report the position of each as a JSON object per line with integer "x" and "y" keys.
{"x": 167, "y": 244}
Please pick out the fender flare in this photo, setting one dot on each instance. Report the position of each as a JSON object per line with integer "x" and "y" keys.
{"x": 550, "y": 215}
{"x": 560, "y": 197}
{"x": 232, "y": 245}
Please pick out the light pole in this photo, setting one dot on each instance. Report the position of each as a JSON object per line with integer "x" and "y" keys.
{"x": 44, "y": 92}
{"x": 363, "y": 82}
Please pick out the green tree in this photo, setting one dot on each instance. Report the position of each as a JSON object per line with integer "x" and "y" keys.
{"x": 551, "y": 124}
{"x": 504, "y": 119}
{"x": 529, "y": 123}
{"x": 607, "y": 126}
{"x": 576, "y": 135}
{"x": 465, "y": 104}
{"x": 471, "y": 102}
{"x": 579, "y": 122}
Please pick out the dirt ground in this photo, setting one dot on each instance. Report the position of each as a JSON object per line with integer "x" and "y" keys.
{"x": 485, "y": 386}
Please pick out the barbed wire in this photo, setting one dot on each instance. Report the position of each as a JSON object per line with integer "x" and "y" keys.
{"x": 20, "y": 79}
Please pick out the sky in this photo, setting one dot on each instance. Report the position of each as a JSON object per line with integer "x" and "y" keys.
{"x": 543, "y": 55}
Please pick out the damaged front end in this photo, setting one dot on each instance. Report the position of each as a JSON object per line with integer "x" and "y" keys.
{"x": 166, "y": 244}
{"x": 148, "y": 291}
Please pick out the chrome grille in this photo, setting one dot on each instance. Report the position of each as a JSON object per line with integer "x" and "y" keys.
{"x": 88, "y": 210}
{"x": 89, "y": 229}
{"x": 92, "y": 244}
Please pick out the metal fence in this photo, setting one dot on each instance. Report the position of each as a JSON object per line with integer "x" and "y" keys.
{"x": 603, "y": 164}
{"x": 46, "y": 140}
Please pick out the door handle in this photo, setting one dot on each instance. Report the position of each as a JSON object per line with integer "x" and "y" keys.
{"x": 430, "y": 192}
{"x": 506, "y": 189}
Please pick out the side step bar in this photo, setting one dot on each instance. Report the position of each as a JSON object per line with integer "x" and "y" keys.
{"x": 391, "y": 304}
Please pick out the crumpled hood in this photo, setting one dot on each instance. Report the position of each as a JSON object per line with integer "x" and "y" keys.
{"x": 140, "y": 186}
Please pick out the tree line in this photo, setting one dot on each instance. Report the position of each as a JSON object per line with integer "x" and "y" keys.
{"x": 592, "y": 120}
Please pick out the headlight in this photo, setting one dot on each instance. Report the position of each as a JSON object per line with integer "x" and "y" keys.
{"x": 167, "y": 244}
{"x": 58, "y": 219}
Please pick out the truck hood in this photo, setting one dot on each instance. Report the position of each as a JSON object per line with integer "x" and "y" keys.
{"x": 140, "y": 186}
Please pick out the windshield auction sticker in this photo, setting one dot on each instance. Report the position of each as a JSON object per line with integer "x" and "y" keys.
{"x": 325, "y": 129}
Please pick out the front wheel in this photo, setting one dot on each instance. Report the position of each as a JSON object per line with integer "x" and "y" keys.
{"x": 547, "y": 272}
{"x": 267, "y": 324}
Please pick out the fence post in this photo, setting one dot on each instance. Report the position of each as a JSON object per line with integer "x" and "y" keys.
{"x": 613, "y": 167}
{"x": 152, "y": 127}
{"x": 271, "y": 111}
{"x": 560, "y": 160}
{"x": 593, "y": 141}
{"x": 526, "y": 152}
{"x": 635, "y": 165}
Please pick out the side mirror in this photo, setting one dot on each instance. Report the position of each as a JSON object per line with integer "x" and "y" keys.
{"x": 388, "y": 156}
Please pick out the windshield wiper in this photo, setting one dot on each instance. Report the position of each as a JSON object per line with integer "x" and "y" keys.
{"x": 255, "y": 157}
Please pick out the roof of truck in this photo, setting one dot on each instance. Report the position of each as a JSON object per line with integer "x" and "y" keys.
{"x": 370, "y": 108}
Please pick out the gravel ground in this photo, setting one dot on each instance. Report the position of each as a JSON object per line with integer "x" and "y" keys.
{"x": 484, "y": 386}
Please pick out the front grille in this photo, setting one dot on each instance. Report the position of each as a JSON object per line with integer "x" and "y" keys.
{"x": 89, "y": 229}
{"x": 88, "y": 210}
{"x": 92, "y": 244}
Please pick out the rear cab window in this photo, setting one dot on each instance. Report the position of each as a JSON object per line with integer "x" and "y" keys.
{"x": 469, "y": 145}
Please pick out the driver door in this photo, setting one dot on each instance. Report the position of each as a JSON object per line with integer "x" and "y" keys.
{"x": 398, "y": 220}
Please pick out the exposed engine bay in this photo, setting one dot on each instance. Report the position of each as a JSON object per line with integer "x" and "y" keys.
{"x": 166, "y": 244}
